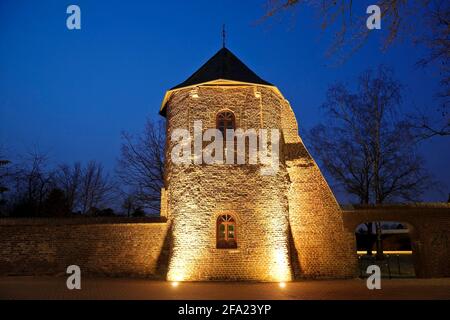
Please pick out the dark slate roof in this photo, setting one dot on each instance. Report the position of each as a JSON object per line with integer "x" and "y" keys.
{"x": 223, "y": 65}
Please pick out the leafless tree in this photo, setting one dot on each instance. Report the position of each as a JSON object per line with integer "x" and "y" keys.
{"x": 68, "y": 179}
{"x": 141, "y": 165}
{"x": 32, "y": 182}
{"x": 437, "y": 39}
{"x": 39, "y": 190}
{"x": 424, "y": 22}
{"x": 365, "y": 146}
{"x": 128, "y": 205}
{"x": 400, "y": 17}
{"x": 4, "y": 175}
{"x": 438, "y": 42}
{"x": 96, "y": 187}
{"x": 425, "y": 124}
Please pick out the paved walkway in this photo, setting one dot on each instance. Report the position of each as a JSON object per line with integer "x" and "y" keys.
{"x": 113, "y": 288}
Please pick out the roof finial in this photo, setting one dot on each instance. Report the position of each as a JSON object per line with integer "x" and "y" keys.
{"x": 224, "y": 35}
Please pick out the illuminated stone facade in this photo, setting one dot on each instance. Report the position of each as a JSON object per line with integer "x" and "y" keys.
{"x": 288, "y": 225}
{"x": 199, "y": 194}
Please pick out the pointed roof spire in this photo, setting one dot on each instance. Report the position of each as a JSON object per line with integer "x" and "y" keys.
{"x": 223, "y": 65}
{"x": 224, "y": 35}
{"x": 224, "y": 68}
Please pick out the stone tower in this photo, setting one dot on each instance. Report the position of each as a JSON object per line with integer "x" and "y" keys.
{"x": 230, "y": 221}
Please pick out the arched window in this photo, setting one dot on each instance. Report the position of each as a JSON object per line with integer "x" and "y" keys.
{"x": 225, "y": 120}
{"x": 226, "y": 232}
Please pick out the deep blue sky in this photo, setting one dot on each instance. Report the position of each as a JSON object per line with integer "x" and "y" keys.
{"x": 71, "y": 93}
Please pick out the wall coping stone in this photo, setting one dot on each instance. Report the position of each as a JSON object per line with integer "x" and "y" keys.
{"x": 415, "y": 205}
{"x": 6, "y": 221}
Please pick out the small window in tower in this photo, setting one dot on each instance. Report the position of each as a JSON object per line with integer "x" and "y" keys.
{"x": 226, "y": 232}
{"x": 225, "y": 121}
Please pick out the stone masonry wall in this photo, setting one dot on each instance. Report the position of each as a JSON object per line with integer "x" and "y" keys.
{"x": 199, "y": 194}
{"x": 429, "y": 225}
{"x": 104, "y": 246}
{"x": 324, "y": 248}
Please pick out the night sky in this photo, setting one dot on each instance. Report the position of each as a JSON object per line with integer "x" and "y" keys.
{"x": 71, "y": 93}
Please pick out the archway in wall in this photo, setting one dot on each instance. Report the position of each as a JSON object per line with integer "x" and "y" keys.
{"x": 388, "y": 244}
{"x": 430, "y": 233}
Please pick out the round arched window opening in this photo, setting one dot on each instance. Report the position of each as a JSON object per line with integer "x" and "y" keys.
{"x": 225, "y": 121}
{"x": 226, "y": 232}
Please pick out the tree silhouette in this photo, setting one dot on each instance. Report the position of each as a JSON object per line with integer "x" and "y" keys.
{"x": 423, "y": 22}
{"x": 96, "y": 187}
{"x": 366, "y": 146}
{"x": 3, "y": 185}
{"x": 141, "y": 165}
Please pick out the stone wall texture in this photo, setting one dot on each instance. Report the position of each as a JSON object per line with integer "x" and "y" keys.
{"x": 111, "y": 247}
{"x": 198, "y": 194}
{"x": 429, "y": 226}
{"x": 283, "y": 221}
{"x": 322, "y": 244}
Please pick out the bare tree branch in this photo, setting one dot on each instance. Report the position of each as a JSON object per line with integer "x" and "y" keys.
{"x": 364, "y": 146}
{"x": 141, "y": 165}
